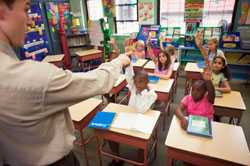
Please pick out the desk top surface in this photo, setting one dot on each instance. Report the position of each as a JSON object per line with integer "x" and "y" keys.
{"x": 88, "y": 52}
{"x": 192, "y": 67}
{"x": 140, "y": 63}
{"x": 228, "y": 142}
{"x": 120, "y": 80}
{"x": 53, "y": 58}
{"x": 232, "y": 100}
{"x": 162, "y": 85}
{"x": 81, "y": 110}
{"x": 117, "y": 108}
{"x": 151, "y": 65}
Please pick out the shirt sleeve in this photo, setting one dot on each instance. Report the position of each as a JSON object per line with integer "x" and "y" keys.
{"x": 148, "y": 97}
{"x": 129, "y": 75}
{"x": 66, "y": 88}
{"x": 223, "y": 78}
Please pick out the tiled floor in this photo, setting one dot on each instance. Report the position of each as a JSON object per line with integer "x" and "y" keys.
{"x": 161, "y": 157}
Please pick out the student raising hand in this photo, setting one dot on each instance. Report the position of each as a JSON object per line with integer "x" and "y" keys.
{"x": 199, "y": 38}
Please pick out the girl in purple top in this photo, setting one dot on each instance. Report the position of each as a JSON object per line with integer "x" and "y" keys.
{"x": 163, "y": 67}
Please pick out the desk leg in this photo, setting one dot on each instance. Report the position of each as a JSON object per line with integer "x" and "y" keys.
{"x": 170, "y": 161}
{"x": 84, "y": 148}
{"x": 146, "y": 156}
{"x": 99, "y": 150}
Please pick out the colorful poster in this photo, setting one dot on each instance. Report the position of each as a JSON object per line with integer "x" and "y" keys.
{"x": 146, "y": 12}
{"x": 193, "y": 10}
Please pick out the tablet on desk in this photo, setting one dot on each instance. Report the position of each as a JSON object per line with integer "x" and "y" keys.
{"x": 200, "y": 126}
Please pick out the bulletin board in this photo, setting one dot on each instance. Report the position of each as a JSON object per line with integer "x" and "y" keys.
{"x": 146, "y": 11}
{"x": 144, "y": 32}
{"x": 36, "y": 40}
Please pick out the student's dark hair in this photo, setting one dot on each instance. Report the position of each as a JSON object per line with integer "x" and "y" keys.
{"x": 141, "y": 74}
{"x": 167, "y": 63}
{"x": 9, "y": 3}
{"x": 225, "y": 70}
{"x": 201, "y": 83}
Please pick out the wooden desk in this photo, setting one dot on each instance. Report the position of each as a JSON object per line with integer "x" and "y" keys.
{"x": 119, "y": 85}
{"x": 138, "y": 65}
{"x": 193, "y": 72}
{"x": 164, "y": 89}
{"x": 89, "y": 55}
{"x": 129, "y": 137}
{"x": 81, "y": 115}
{"x": 150, "y": 67}
{"x": 57, "y": 60}
{"x": 231, "y": 105}
{"x": 227, "y": 147}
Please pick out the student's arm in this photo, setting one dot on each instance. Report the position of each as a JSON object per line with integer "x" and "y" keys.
{"x": 114, "y": 47}
{"x": 129, "y": 75}
{"x": 198, "y": 41}
{"x": 148, "y": 97}
{"x": 168, "y": 75}
{"x": 149, "y": 49}
{"x": 180, "y": 115}
{"x": 209, "y": 86}
{"x": 225, "y": 87}
{"x": 161, "y": 42}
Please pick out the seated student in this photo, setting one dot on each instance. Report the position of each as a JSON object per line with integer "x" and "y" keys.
{"x": 163, "y": 63}
{"x": 172, "y": 52}
{"x": 220, "y": 75}
{"x": 139, "y": 51}
{"x": 200, "y": 102}
{"x": 212, "y": 50}
{"x": 141, "y": 98}
{"x": 129, "y": 43}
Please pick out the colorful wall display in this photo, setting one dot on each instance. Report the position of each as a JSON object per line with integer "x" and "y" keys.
{"x": 193, "y": 10}
{"x": 36, "y": 41}
{"x": 146, "y": 12}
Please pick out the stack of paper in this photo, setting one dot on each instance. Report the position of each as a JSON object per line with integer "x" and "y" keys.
{"x": 133, "y": 121}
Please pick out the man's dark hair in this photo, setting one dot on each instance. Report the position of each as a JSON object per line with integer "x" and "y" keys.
{"x": 9, "y": 3}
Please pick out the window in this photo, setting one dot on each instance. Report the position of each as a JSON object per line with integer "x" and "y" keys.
{"x": 172, "y": 14}
{"x": 95, "y": 9}
{"x": 126, "y": 16}
{"x": 217, "y": 10}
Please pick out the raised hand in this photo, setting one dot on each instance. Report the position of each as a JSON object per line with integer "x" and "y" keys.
{"x": 199, "y": 38}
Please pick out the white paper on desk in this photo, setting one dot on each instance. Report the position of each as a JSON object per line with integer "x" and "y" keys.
{"x": 132, "y": 121}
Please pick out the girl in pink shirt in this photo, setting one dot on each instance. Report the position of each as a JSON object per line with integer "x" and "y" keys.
{"x": 200, "y": 102}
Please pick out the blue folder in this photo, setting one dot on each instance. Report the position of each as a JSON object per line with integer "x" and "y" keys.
{"x": 102, "y": 120}
{"x": 201, "y": 64}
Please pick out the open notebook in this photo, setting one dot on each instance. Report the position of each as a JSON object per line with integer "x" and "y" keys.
{"x": 134, "y": 121}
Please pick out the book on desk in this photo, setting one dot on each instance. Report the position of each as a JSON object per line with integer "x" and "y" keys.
{"x": 102, "y": 120}
{"x": 134, "y": 121}
{"x": 200, "y": 126}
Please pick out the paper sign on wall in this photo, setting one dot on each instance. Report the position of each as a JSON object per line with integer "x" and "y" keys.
{"x": 146, "y": 12}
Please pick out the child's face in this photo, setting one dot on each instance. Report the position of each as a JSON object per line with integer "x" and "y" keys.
{"x": 211, "y": 45}
{"x": 163, "y": 58}
{"x": 217, "y": 64}
{"x": 198, "y": 91}
{"x": 141, "y": 83}
{"x": 140, "y": 47}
